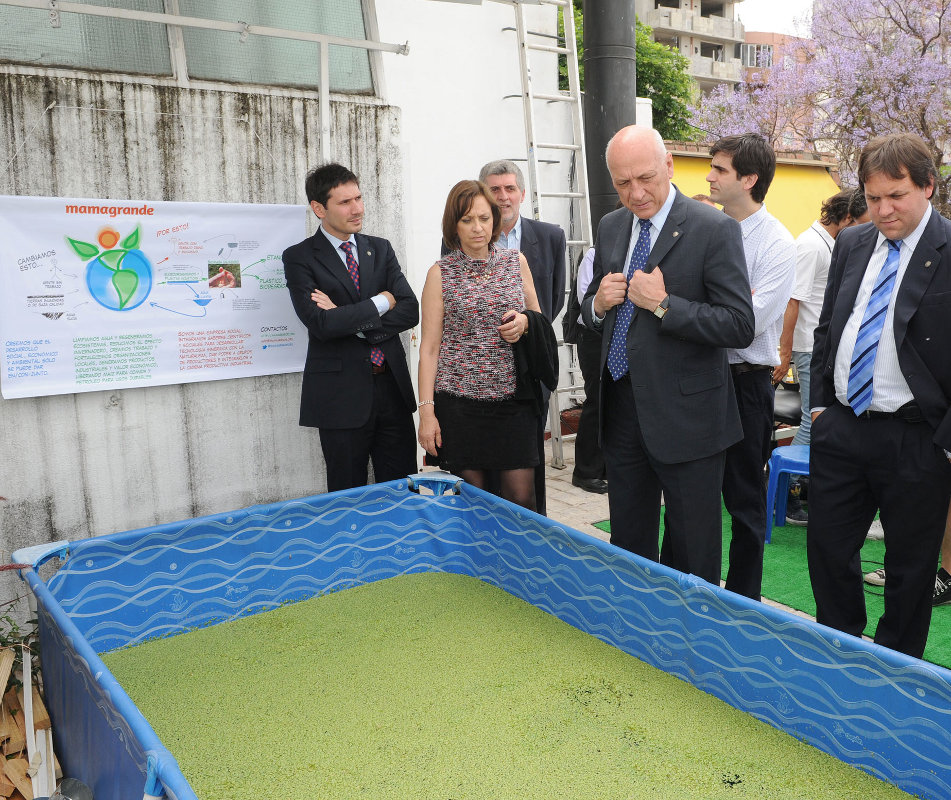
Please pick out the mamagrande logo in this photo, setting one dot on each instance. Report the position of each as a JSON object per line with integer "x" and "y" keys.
{"x": 118, "y": 278}
{"x": 112, "y": 211}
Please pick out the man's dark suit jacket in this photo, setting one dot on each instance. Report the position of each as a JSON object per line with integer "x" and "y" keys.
{"x": 679, "y": 372}
{"x": 922, "y": 322}
{"x": 543, "y": 246}
{"x": 337, "y": 390}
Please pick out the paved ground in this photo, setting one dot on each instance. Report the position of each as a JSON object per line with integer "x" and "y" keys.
{"x": 568, "y": 504}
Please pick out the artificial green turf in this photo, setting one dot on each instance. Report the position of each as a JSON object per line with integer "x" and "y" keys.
{"x": 441, "y": 687}
{"x": 786, "y": 581}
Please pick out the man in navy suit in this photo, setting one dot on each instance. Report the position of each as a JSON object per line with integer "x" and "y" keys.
{"x": 670, "y": 293}
{"x": 350, "y": 293}
{"x": 881, "y": 399}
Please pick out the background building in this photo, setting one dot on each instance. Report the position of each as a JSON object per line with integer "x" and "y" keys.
{"x": 705, "y": 31}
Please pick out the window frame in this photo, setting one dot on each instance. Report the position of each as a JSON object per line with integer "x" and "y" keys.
{"x": 174, "y": 22}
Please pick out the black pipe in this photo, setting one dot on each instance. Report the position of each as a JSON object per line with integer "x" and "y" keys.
{"x": 610, "y": 97}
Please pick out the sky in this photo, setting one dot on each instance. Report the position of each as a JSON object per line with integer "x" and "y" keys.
{"x": 775, "y": 16}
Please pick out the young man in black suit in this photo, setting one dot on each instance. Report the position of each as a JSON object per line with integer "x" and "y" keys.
{"x": 880, "y": 399}
{"x": 349, "y": 291}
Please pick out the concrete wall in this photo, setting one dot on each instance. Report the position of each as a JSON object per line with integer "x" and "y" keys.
{"x": 78, "y": 465}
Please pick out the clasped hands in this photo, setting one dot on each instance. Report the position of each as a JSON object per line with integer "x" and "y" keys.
{"x": 645, "y": 290}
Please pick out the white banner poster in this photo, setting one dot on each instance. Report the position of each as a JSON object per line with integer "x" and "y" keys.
{"x": 103, "y": 294}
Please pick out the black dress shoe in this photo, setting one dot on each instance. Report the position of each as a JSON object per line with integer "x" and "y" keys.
{"x": 595, "y": 485}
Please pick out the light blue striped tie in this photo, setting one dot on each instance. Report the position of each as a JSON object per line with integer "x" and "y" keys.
{"x": 870, "y": 332}
{"x": 617, "y": 352}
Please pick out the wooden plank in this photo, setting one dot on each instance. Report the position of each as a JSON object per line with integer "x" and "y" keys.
{"x": 26, "y": 701}
{"x": 6, "y": 785}
{"x": 8, "y": 727}
{"x": 6, "y": 666}
{"x": 41, "y": 717}
{"x": 42, "y": 787}
{"x": 17, "y": 741}
{"x": 52, "y": 765}
{"x": 15, "y": 769}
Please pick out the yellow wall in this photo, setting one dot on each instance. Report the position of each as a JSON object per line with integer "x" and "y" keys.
{"x": 794, "y": 197}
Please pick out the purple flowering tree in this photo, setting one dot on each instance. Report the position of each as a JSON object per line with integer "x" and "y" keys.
{"x": 872, "y": 67}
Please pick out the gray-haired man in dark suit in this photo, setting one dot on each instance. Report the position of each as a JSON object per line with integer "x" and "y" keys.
{"x": 669, "y": 295}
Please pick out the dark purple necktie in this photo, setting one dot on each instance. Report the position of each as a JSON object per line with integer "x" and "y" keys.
{"x": 376, "y": 354}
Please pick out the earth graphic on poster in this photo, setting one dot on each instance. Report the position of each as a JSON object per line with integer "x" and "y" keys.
{"x": 118, "y": 278}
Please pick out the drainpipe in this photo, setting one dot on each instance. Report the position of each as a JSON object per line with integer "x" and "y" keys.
{"x": 610, "y": 97}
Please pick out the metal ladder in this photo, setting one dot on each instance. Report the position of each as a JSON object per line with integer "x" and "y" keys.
{"x": 579, "y": 235}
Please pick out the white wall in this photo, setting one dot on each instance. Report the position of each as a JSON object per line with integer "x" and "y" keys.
{"x": 77, "y": 465}
{"x": 460, "y": 95}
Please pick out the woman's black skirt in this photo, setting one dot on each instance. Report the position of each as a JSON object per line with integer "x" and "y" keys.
{"x": 486, "y": 434}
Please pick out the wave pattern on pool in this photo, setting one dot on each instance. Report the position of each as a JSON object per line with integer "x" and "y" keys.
{"x": 879, "y": 710}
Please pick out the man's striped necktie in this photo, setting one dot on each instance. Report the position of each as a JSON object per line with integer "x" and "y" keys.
{"x": 870, "y": 332}
{"x": 376, "y": 354}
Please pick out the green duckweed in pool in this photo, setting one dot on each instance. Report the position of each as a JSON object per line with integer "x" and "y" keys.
{"x": 441, "y": 687}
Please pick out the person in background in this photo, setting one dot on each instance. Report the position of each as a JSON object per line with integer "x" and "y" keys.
{"x": 542, "y": 243}
{"x": 478, "y": 302}
{"x": 813, "y": 255}
{"x": 589, "y": 470}
{"x": 668, "y": 411}
{"x": 741, "y": 171}
{"x": 942, "y": 580}
{"x": 880, "y": 396}
{"x": 350, "y": 293}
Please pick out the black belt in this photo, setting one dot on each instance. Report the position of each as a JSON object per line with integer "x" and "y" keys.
{"x": 378, "y": 370}
{"x": 908, "y": 413}
{"x": 742, "y": 368}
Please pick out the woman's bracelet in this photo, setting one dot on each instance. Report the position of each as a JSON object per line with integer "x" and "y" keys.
{"x": 426, "y": 403}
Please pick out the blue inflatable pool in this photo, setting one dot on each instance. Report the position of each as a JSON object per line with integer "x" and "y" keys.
{"x": 878, "y": 710}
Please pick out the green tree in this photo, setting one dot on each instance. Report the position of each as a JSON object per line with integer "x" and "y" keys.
{"x": 661, "y": 75}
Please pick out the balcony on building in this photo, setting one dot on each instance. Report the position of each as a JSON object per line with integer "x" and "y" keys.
{"x": 707, "y": 35}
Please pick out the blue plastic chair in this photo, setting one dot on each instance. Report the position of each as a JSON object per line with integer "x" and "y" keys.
{"x": 785, "y": 461}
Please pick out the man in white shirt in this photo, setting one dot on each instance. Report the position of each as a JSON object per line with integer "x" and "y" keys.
{"x": 881, "y": 400}
{"x": 741, "y": 170}
{"x": 813, "y": 254}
